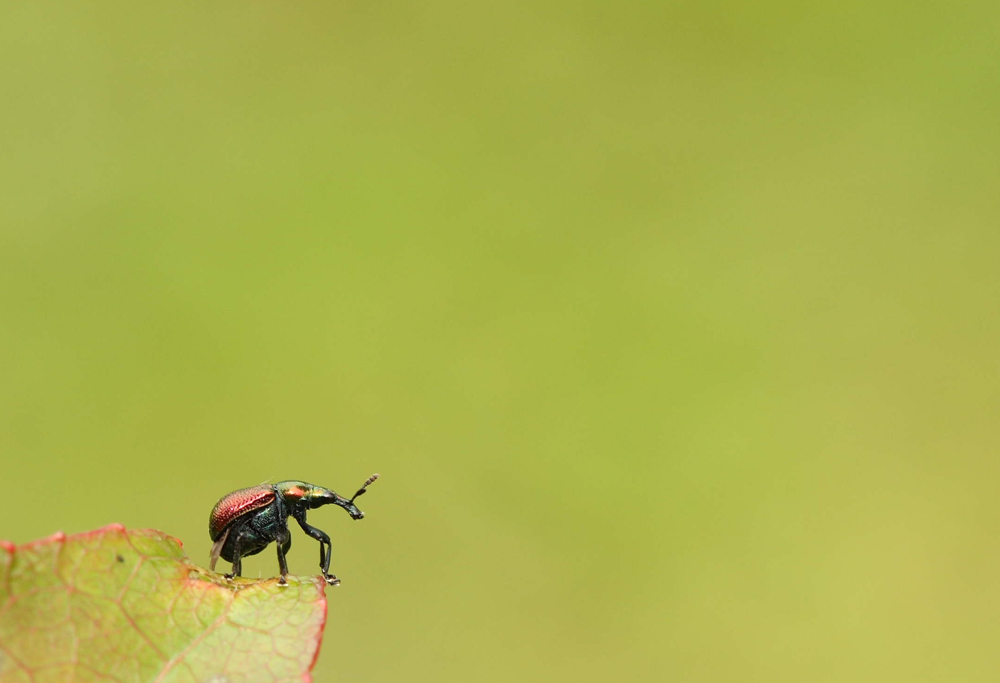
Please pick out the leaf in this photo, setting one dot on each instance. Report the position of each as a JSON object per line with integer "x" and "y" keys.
{"x": 124, "y": 606}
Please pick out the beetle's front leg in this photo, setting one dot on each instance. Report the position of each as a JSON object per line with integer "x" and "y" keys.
{"x": 325, "y": 550}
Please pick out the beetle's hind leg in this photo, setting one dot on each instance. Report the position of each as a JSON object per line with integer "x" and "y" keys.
{"x": 237, "y": 558}
{"x": 217, "y": 547}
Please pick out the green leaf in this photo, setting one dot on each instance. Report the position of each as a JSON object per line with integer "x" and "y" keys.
{"x": 124, "y": 606}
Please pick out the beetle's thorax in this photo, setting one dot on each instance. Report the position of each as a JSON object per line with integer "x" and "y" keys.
{"x": 302, "y": 494}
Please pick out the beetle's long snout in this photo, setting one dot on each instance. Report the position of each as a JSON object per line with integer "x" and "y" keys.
{"x": 331, "y": 498}
{"x": 351, "y": 508}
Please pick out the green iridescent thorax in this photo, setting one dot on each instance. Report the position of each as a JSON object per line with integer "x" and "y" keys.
{"x": 292, "y": 490}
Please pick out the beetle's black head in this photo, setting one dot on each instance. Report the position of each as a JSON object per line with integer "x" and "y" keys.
{"x": 307, "y": 496}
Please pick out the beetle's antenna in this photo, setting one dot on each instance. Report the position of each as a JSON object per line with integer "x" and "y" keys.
{"x": 364, "y": 486}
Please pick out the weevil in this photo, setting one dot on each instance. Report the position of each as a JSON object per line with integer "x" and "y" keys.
{"x": 246, "y": 521}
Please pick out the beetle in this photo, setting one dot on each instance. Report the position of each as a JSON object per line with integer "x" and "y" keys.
{"x": 246, "y": 521}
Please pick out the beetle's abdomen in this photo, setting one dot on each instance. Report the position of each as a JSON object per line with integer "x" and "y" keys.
{"x": 234, "y": 505}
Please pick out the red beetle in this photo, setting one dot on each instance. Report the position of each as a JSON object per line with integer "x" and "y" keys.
{"x": 246, "y": 521}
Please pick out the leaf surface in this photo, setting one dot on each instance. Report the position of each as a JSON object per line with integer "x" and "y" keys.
{"x": 129, "y": 606}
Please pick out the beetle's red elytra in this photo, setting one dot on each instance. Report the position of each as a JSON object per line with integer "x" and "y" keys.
{"x": 233, "y": 505}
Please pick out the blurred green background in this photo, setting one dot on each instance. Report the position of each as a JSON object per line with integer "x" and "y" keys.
{"x": 671, "y": 327}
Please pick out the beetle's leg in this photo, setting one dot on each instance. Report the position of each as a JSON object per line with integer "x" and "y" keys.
{"x": 325, "y": 549}
{"x": 237, "y": 557}
{"x": 283, "y": 544}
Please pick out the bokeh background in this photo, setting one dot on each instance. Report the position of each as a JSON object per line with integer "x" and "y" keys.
{"x": 672, "y": 327}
